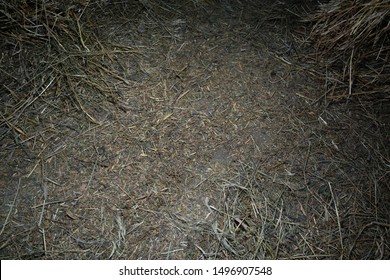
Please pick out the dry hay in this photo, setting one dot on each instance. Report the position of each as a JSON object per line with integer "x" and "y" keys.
{"x": 352, "y": 42}
{"x": 145, "y": 130}
{"x": 57, "y": 63}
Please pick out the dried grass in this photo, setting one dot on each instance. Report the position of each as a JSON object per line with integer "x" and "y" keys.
{"x": 352, "y": 44}
{"x": 145, "y": 130}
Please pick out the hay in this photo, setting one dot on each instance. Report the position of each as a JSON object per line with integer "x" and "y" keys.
{"x": 64, "y": 60}
{"x": 158, "y": 130}
{"x": 352, "y": 43}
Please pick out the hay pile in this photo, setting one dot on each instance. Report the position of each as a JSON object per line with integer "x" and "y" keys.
{"x": 352, "y": 42}
{"x": 53, "y": 58}
{"x": 161, "y": 130}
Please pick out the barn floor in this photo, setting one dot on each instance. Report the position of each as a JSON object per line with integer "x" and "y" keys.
{"x": 188, "y": 132}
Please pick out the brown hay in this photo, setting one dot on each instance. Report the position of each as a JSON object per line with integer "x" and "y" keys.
{"x": 158, "y": 130}
{"x": 352, "y": 42}
{"x": 64, "y": 60}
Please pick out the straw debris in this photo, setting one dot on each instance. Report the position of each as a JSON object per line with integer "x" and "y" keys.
{"x": 187, "y": 130}
{"x": 352, "y": 42}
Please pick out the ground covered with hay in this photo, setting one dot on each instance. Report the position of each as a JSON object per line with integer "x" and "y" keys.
{"x": 194, "y": 130}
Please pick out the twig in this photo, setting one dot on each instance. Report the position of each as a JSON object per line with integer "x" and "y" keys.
{"x": 10, "y": 210}
{"x": 338, "y": 219}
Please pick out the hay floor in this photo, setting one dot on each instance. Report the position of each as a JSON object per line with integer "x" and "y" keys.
{"x": 186, "y": 132}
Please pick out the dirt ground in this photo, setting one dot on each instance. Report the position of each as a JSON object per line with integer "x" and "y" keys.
{"x": 214, "y": 144}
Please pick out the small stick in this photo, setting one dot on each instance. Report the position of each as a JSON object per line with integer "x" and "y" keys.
{"x": 10, "y": 210}
{"x": 338, "y": 217}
